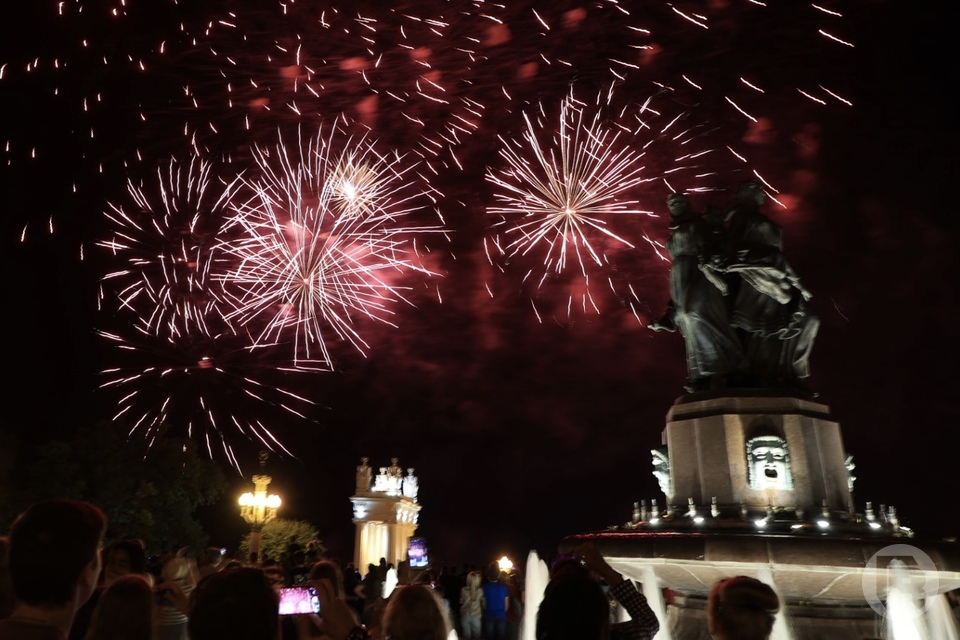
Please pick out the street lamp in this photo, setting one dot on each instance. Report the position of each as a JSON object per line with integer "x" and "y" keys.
{"x": 258, "y": 508}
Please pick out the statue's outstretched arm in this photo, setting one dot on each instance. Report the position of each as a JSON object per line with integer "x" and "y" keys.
{"x": 714, "y": 274}
{"x": 668, "y": 322}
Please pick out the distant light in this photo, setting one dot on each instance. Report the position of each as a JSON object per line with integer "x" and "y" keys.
{"x": 823, "y": 524}
{"x": 874, "y": 525}
{"x": 259, "y": 500}
{"x": 654, "y": 520}
{"x": 796, "y": 526}
{"x": 698, "y": 519}
{"x": 505, "y": 563}
{"x": 760, "y": 522}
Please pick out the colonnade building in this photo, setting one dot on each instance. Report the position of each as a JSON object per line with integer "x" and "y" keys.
{"x": 385, "y": 513}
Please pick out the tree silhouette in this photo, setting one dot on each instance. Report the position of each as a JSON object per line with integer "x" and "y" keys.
{"x": 149, "y": 488}
{"x": 277, "y": 536}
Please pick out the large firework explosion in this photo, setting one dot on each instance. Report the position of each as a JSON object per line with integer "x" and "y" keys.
{"x": 178, "y": 362}
{"x": 275, "y": 263}
{"x": 163, "y": 245}
{"x": 322, "y": 240}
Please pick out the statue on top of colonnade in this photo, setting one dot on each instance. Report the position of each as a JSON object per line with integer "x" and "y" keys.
{"x": 390, "y": 480}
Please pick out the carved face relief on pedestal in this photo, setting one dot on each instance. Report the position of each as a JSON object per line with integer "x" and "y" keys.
{"x": 768, "y": 463}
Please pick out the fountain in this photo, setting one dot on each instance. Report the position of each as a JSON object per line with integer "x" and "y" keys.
{"x": 827, "y": 562}
{"x": 941, "y": 620}
{"x": 905, "y": 619}
{"x": 754, "y": 472}
{"x": 535, "y": 581}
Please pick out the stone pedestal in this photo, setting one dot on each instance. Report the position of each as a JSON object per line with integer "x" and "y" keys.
{"x": 707, "y": 446}
{"x": 783, "y": 514}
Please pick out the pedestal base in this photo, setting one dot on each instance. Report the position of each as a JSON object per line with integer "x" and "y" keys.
{"x": 707, "y": 441}
{"x": 687, "y": 620}
{"x": 822, "y": 582}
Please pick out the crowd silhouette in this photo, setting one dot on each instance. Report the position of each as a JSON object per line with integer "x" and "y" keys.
{"x": 58, "y": 582}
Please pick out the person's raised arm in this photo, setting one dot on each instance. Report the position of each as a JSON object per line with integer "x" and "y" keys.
{"x": 643, "y": 623}
{"x": 335, "y": 620}
{"x": 591, "y": 557}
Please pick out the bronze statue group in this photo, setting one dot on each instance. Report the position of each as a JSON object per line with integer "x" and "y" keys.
{"x": 737, "y": 302}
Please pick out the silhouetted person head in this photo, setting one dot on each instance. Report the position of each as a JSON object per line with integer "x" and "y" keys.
{"x": 53, "y": 547}
{"x": 574, "y": 606}
{"x": 124, "y": 611}
{"x": 123, "y": 558}
{"x": 240, "y": 604}
{"x": 54, "y": 558}
{"x": 415, "y": 612}
{"x": 741, "y": 608}
{"x": 474, "y": 580}
{"x": 211, "y": 556}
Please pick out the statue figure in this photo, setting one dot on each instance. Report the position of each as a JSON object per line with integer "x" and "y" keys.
{"x": 697, "y": 305}
{"x": 770, "y": 305}
{"x": 850, "y": 466}
{"x": 382, "y": 482}
{"x": 768, "y": 463}
{"x": 661, "y": 470}
{"x": 410, "y": 485}
{"x": 736, "y": 300}
{"x": 394, "y": 478}
{"x": 363, "y": 476}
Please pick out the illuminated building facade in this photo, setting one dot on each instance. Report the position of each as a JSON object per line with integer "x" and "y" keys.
{"x": 385, "y": 513}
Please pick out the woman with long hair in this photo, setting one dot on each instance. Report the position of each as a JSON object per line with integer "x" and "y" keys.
{"x": 180, "y": 574}
{"x": 471, "y": 606}
{"x": 415, "y": 612}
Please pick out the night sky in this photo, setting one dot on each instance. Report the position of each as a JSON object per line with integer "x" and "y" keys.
{"x": 526, "y": 417}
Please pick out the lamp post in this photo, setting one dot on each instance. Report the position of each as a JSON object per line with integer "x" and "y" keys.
{"x": 258, "y": 508}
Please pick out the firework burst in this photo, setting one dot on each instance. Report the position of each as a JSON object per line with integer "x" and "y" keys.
{"x": 563, "y": 188}
{"x": 215, "y": 292}
{"x": 164, "y": 242}
{"x": 323, "y": 240}
{"x": 179, "y": 364}
{"x": 425, "y": 77}
{"x": 570, "y": 190}
{"x": 209, "y": 387}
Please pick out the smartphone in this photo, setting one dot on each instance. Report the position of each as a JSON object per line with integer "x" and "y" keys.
{"x": 299, "y": 599}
